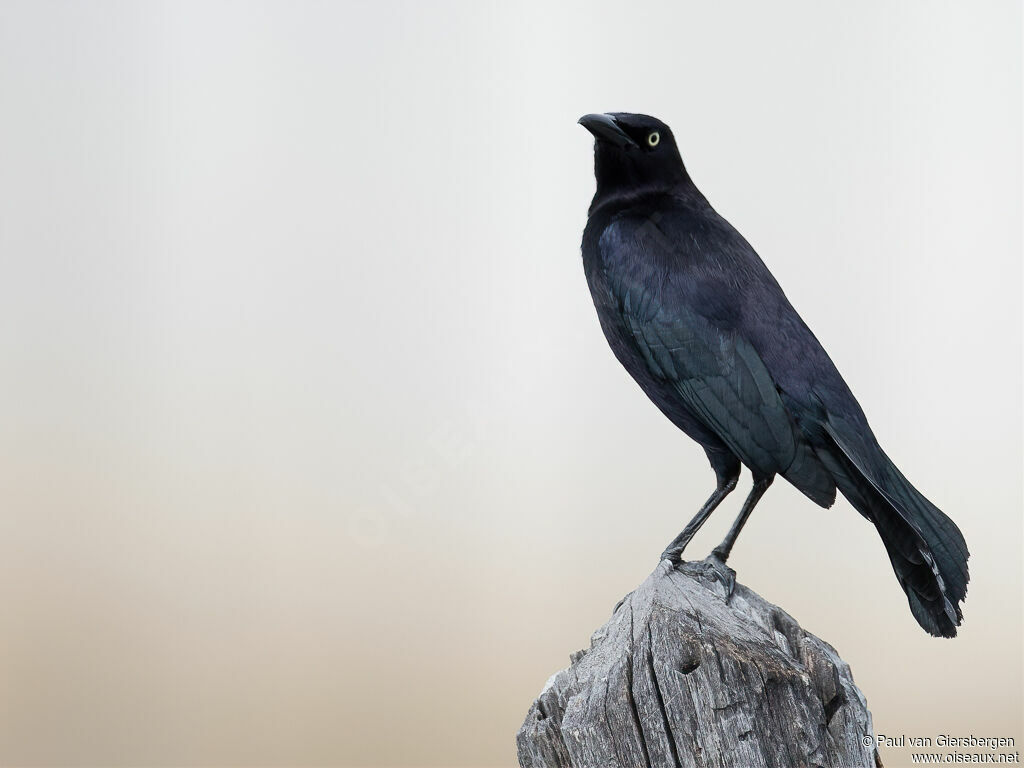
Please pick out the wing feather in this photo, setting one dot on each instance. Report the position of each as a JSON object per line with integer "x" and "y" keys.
{"x": 672, "y": 310}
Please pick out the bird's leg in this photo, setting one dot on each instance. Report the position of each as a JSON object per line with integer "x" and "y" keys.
{"x": 721, "y": 552}
{"x": 716, "y": 560}
{"x": 675, "y": 549}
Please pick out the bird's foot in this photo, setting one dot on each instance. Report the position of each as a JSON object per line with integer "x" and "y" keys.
{"x": 673, "y": 554}
{"x": 715, "y": 563}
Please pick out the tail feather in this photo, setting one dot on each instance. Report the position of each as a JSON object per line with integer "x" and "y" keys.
{"x": 926, "y": 549}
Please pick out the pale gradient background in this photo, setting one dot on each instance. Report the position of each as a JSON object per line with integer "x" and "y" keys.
{"x": 311, "y": 449}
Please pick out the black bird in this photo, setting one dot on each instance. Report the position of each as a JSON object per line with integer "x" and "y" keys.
{"x": 697, "y": 319}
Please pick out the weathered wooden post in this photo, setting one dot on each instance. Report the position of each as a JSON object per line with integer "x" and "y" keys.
{"x": 681, "y": 677}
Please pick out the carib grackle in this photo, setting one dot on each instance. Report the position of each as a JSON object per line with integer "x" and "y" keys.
{"x": 697, "y": 319}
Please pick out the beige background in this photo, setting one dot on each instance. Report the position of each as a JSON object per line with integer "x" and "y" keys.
{"x": 312, "y": 451}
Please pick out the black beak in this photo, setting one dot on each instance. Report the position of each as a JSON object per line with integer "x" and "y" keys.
{"x": 605, "y": 128}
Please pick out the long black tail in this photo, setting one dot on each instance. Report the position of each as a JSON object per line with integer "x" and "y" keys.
{"x": 927, "y": 550}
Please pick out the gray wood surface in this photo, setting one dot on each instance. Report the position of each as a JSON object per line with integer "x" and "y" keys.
{"x": 680, "y": 677}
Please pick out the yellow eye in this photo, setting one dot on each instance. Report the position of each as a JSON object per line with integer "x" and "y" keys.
{"x": 653, "y": 139}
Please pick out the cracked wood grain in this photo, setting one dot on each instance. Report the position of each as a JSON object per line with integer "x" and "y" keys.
{"x": 681, "y": 678}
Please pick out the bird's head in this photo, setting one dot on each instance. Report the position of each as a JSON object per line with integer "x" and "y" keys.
{"x": 633, "y": 153}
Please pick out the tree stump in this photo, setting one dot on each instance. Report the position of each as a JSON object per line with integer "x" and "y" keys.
{"x": 679, "y": 676}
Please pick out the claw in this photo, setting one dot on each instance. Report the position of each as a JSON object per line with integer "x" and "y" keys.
{"x": 722, "y": 573}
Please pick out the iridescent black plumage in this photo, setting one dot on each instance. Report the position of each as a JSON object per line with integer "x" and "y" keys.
{"x": 699, "y": 322}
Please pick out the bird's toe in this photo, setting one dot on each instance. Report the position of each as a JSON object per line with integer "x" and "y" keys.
{"x": 721, "y": 572}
